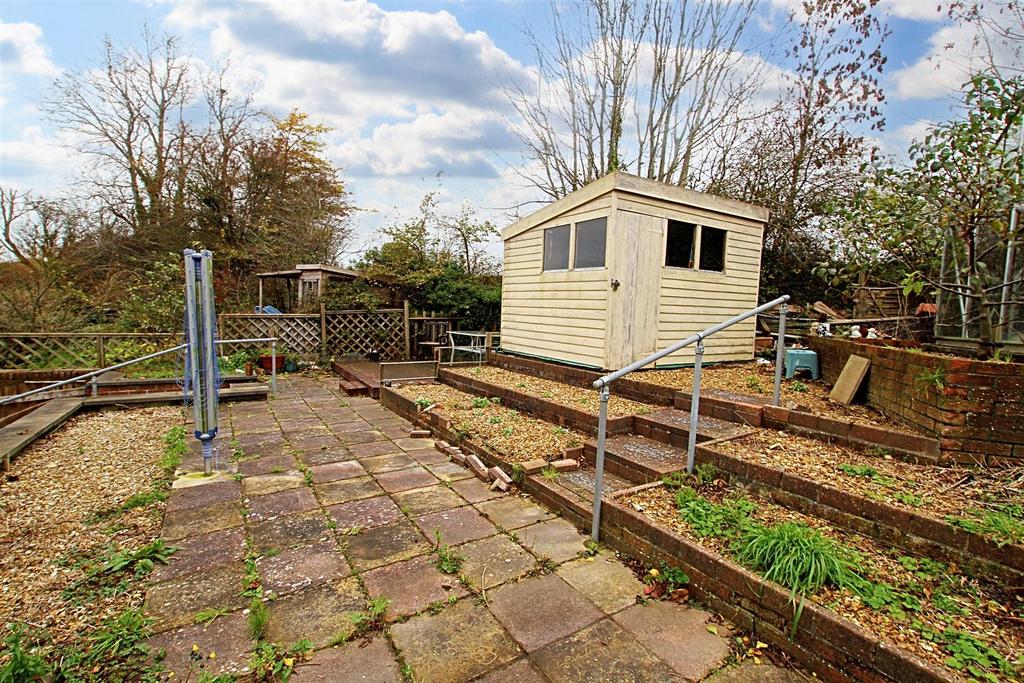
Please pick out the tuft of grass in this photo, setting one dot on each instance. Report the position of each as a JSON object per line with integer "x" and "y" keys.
{"x": 259, "y": 615}
{"x": 728, "y": 519}
{"x": 211, "y": 614}
{"x": 23, "y": 663}
{"x": 799, "y": 387}
{"x": 270, "y": 662}
{"x": 518, "y": 476}
{"x": 798, "y": 557}
{"x": 706, "y": 473}
{"x": 449, "y": 561}
{"x": 549, "y": 473}
{"x": 174, "y": 449}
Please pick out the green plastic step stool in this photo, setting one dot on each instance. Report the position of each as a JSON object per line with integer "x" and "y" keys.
{"x": 801, "y": 359}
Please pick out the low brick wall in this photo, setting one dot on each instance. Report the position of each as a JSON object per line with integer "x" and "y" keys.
{"x": 536, "y": 406}
{"x": 976, "y": 412}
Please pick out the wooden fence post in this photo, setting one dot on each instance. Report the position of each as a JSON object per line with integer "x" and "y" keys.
{"x": 323, "y": 331}
{"x": 406, "y": 330}
{"x": 101, "y": 352}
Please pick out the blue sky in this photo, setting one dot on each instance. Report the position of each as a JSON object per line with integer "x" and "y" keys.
{"x": 409, "y": 87}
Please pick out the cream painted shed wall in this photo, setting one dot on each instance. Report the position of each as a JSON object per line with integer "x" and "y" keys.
{"x": 555, "y": 314}
{"x": 576, "y": 316}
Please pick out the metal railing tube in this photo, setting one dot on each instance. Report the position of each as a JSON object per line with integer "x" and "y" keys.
{"x": 780, "y": 355}
{"x": 273, "y": 367}
{"x": 88, "y": 375}
{"x": 602, "y": 432}
{"x": 611, "y": 377}
{"x": 691, "y": 442}
{"x": 603, "y": 383}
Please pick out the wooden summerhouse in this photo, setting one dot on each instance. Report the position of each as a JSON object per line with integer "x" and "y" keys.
{"x": 626, "y": 266}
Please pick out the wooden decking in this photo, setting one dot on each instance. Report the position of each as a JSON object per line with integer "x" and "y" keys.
{"x": 361, "y": 377}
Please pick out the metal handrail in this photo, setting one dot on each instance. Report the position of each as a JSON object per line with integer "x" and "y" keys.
{"x": 151, "y": 356}
{"x": 604, "y": 385}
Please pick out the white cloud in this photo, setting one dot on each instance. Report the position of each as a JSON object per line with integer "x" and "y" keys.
{"x": 918, "y": 10}
{"x": 34, "y": 160}
{"x": 954, "y": 53}
{"x": 23, "y": 52}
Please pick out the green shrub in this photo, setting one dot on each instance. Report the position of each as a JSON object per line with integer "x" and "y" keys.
{"x": 797, "y": 557}
{"x": 21, "y": 663}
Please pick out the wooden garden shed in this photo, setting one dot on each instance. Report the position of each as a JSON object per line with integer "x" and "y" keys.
{"x": 626, "y": 266}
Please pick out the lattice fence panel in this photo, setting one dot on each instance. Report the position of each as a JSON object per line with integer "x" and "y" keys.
{"x": 297, "y": 333}
{"x": 361, "y": 333}
{"x": 77, "y": 350}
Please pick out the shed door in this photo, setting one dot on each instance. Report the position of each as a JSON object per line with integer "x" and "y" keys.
{"x": 633, "y": 309}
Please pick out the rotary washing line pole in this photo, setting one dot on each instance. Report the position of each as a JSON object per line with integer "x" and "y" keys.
{"x": 202, "y": 373}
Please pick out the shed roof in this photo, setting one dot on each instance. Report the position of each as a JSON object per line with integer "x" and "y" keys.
{"x": 625, "y": 182}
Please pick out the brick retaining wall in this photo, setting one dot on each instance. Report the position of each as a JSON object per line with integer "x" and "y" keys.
{"x": 975, "y": 408}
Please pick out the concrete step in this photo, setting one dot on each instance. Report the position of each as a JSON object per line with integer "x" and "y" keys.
{"x": 672, "y": 427}
{"x": 637, "y": 459}
{"x": 15, "y": 437}
{"x": 354, "y": 388}
{"x": 581, "y": 482}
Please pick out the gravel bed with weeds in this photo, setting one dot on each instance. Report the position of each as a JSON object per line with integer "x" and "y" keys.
{"x": 579, "y": 398}
{"x": 986, "y": 501}
{"x": 515, "y": 436}
{"x": 758, "y": 379}
{"x": 80, "y": 513}
{"x": 930, "y": 608}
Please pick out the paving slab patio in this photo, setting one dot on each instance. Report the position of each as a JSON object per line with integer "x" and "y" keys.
{"x": 370, "y": 503}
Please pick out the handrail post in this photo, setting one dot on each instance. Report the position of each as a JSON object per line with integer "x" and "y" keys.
{"x": 691, "y": 438}
{"x": 273, "y": 367}
{"x": 602, "y": 430}
{"x": 780, "y": 355}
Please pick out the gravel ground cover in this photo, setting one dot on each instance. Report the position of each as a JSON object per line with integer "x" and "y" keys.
{"x": 758, "y": 379}
{"x": 564, "y": 394}
{"x": 60, "y": 519}
{"x": 929, "y": 608}
{"x": 516, "y": 436}
{"x": 951, "y": 493}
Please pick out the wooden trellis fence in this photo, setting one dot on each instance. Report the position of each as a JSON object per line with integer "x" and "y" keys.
{"x": 43, "y": 350}
{"x": 329, "y": 333}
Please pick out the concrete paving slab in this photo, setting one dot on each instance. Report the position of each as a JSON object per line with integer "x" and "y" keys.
{"x": 513, "y": 512}
{"x": 403, "y": 480}
{"x": 359, "y": 661}
{"x": 319, "y": 613}
{"x": 428, "y": 456}
{"x": 455, "y": 526}
{"x": 318, "y": 442}
{"x": 461, "y": 642}
{"x": 410, "y": 444}
{"x": 281, "y": 503}
{"x": 270, "y": 464}
{"x": 202, "y": 553}
{"x": 346, "y": 490}
{"x": 385, "y": 544}
{"x": 195, "y": 521}
{"x": 608, "y": 583}
{"x": 556, "y": 539}
{"x": 519, "y": 671}
{"x": 367, "y": 450}
{"x": 387, "y": 462}
{"x": 227, "y": 638}
{"x": 203, "y": 494}
{"x": 336, "y": 471}
{"x": 365, "y": 513}
{"x": 412, "y": 585}
{"x": 474, "y": 490}
{"x": 313, "y": 458}
{"x": 516, "y": 607}
{"x": 423, "y": 501}
{"x": 602, "y": 653}
{"x": 292, "y": 531}
{"x": 297, "y": 568}
{"x": 266, "y": 484}
{"x": 174, "y": 603}
{"x": 450, "y": 472}
{"x": 351, "y": 439}
{"x": 494, "y": 560}
{"x": 751, "y": 672}
{"x": 678, "y": 634}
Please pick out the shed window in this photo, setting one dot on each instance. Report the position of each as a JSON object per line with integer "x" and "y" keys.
{"x": 712, "y": 249}
{"x": 590, "y": 241}
{"x": 679, "y": 251}
{"x": 556, "y": 248}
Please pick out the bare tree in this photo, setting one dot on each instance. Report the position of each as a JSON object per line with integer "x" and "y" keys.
{"x": 673, "y": 71}
{"x": 127, "y": 113}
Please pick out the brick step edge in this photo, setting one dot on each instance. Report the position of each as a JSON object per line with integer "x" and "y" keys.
{"x": 831, "y": 646}
{"x": 536, "y": 406}
{"x": 915, "y": 448}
